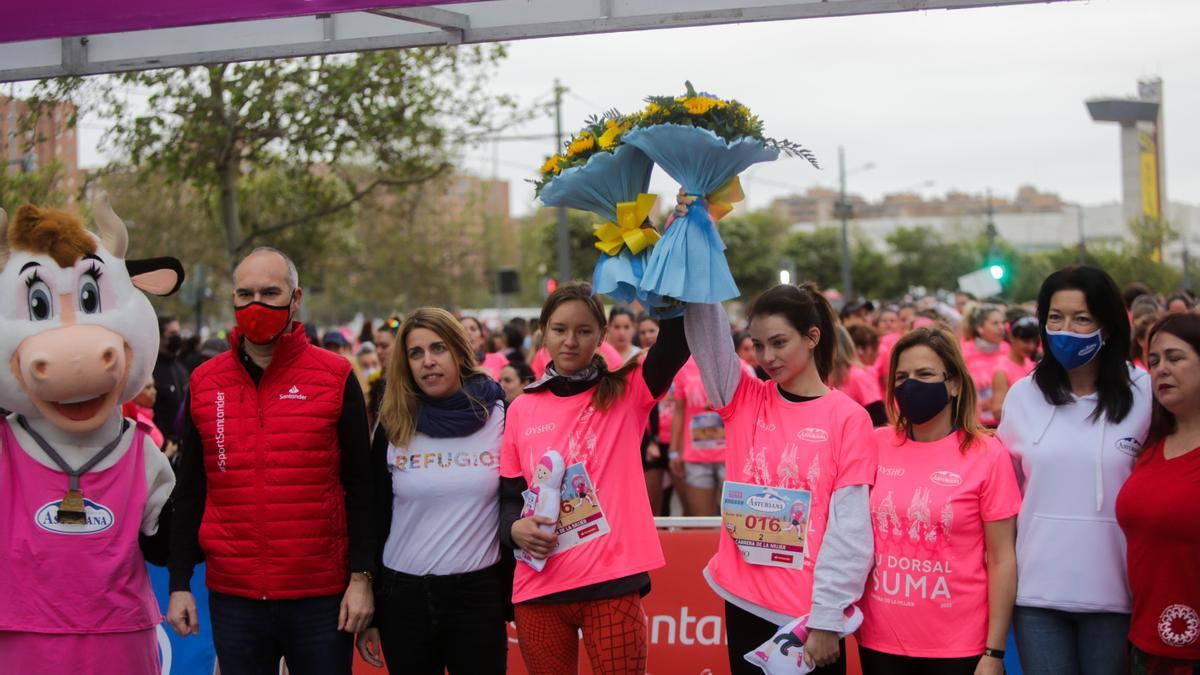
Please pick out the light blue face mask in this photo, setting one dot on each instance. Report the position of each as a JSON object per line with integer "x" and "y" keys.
{"x": 1073, "y": 350}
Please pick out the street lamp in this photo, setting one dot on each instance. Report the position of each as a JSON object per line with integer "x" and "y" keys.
{"x": 843, "y": 208}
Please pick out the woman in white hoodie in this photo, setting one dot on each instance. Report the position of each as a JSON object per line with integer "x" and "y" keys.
{"x": 1074, "y": 428}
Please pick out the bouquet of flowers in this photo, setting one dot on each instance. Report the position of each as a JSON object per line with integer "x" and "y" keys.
{"x": 703, "y": 142}
{"x": 597, "y": 173}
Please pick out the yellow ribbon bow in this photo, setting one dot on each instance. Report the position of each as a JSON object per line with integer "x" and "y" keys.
{"x": 628, "y": 230}
{"x": 721, "y": 201}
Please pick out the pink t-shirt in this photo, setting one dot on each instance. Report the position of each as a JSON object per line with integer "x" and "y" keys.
{"x": 703, "y": 427}
{"x": 1015, "y": 372}
{"x": 494, "y": 362}
{"x": 611, "y": 357}
{"x": 862, "y": 387}
{"x": 983, "y": 366}
{"x": 609, "y": 444}
{"x": 882, "y": 362}
{"x": 927, "y": 595}
{"x": 819, "y": 445}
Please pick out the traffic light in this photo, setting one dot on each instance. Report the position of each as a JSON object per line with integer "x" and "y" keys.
{"x": 998, "y": 271}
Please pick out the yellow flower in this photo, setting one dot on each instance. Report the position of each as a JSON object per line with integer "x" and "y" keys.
{"x": 609, "y": 138}
{"x": 553, "y": 165}
{"x": 652, "y": 109}
{"x": 698, "y": 105}
{"x": 584, "y": 143}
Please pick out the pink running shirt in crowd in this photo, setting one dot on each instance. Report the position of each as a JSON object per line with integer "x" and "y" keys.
{"x": 927, "y": 595}
{"x": 493, "y": 363}
{"x": 862, "y": 387}
{"x": 542, "y": 358}
{"x": 1015, "y": 372}
{"x": 819, "y": 445}
{"x": 983, "y": 366}
{"x": 610, "y": 447}
{"x": 703, "y": 428}
{"x": 883, "y": 361}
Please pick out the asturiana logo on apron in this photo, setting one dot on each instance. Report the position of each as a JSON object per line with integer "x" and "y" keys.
{"x": 98, "y": 518}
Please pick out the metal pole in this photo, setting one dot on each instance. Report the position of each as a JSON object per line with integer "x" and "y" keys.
{"x": 844, "y": 209}
{"x": 1082, "y": 241}
{"x": 564, "y": 240}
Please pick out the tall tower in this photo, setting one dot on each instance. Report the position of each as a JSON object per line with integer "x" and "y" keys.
{"x": 1143, "y": 174}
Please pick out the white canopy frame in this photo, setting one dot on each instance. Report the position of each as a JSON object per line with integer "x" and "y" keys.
{"x": 455, "y": 23}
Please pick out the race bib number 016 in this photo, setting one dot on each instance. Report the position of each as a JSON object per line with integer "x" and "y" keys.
{"x": 768, "y": 524}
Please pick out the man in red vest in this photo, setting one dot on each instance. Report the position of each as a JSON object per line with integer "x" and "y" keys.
{"x": 274, "y": 487}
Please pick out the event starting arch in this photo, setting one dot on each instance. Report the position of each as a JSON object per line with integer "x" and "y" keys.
{"x": 88, "y": 37}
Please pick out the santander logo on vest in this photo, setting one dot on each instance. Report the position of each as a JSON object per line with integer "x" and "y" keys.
{"x": 293, "y": 394}
{"x": 98, "y": 518}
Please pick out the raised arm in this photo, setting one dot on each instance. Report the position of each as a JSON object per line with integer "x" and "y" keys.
{"x": 707, "y": 330}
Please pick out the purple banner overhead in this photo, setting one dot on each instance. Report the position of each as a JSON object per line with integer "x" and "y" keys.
{"x": 68, "y": 18}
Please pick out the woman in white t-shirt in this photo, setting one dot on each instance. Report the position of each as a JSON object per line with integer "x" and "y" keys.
{"x": 437, "y": 453}
{"x": 1074, "y": 428}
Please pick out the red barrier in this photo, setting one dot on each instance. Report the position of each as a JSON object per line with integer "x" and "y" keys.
{"x": 686, "y": 619}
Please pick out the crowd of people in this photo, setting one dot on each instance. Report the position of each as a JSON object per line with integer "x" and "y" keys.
{"x": 953, "y": 467}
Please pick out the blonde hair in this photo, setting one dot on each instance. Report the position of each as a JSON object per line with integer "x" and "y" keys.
{"x": 965, "y": 407}
{"x": 844, "y": 357}
{"x": 398, "y": 411}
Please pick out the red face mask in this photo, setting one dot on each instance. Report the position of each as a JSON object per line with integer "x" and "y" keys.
{"x": 262, "y": 323}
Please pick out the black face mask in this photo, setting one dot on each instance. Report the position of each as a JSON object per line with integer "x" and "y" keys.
{"x": 920, "y": 401}
{"x": 174, "y": 342}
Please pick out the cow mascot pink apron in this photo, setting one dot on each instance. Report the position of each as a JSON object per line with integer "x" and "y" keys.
{"x": 81, "y": 489}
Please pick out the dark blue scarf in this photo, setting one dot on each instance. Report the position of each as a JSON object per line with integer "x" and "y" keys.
{"x": 462, "y": 413}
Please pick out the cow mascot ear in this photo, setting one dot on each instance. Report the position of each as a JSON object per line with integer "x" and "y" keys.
{"x": 156, "y": 276}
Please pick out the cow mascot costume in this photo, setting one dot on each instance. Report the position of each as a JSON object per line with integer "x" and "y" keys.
{"x": 81, "y": 488}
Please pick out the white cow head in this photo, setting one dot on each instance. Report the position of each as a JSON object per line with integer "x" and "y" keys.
{"x": 78, "y": 334}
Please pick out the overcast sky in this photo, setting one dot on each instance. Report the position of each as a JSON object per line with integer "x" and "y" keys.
{"x": 967, "y": 99}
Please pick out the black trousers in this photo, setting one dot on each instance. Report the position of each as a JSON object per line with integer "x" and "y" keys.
{"x": 880, "y": 663}
{"x": 431, "y": 624}
{"x": 745, "y": 632}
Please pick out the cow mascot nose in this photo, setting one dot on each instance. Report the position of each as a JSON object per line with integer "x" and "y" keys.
{"x": 82, "y": 489}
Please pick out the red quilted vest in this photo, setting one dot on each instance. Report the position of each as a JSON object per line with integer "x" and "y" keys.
{"x": 275, "y": 517}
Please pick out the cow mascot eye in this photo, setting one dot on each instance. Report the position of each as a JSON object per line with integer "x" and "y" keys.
{"x": 89, "y": 292}
{"x": 39, "y": 299}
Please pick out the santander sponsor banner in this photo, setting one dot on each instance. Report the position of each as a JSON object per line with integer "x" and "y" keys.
{"x": 67, "y": 18}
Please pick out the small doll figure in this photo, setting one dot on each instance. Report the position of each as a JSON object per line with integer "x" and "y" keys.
{"x": 543, "y": 499}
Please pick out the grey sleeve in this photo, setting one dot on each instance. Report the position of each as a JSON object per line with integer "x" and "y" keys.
{"x": 708, "y": 336}
{"x": 847, "y": 554}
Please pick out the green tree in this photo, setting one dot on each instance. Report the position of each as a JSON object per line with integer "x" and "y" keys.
{"x": 816, "y": 255}
{"x": 35, "y": 187}
{"x": 753, "y": 243}
{"x": 297, "y": 127}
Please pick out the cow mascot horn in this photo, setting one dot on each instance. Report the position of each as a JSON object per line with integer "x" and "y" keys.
{"x": 81, "y": 488}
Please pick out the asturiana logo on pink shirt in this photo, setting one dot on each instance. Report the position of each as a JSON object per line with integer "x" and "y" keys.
{"x": 813, "y": 435}
{"x": 947, "y": 478}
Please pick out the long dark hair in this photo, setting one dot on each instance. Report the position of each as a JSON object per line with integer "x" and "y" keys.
{"x": 804, "y": 308}
{"x": 1103, "y": 300}
{"x": 1186, "y": 327}
{"x": 612, "y": 382}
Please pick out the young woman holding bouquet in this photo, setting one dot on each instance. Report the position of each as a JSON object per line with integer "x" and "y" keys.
{"x": 944, "y": 509}
{"x": 595, "y": 418}
{"x": 793, "y": 434}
